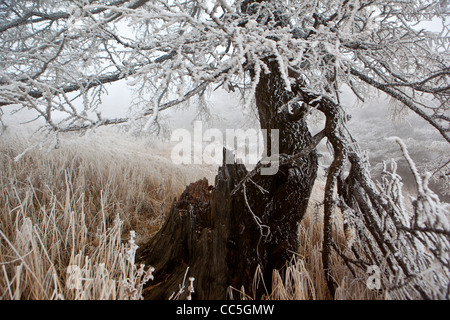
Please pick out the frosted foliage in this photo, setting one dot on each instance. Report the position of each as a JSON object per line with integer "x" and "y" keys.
{"x": 138, "y": 277}
{"x": 57, "y": 56}
{"x": 409, "y": 238}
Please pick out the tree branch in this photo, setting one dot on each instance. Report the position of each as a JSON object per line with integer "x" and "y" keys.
{"x": 396, "y": 95}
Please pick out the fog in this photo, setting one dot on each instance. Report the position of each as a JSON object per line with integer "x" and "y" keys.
{"x": 370, "y": 124}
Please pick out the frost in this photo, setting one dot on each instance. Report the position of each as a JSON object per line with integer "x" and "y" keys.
{"x": 168, "y": 47}
{"x": 57, "y": 60}
{"x": 251, "y": 24}
{"x": 138, "y": 276}
{"x": 414, "y": 238}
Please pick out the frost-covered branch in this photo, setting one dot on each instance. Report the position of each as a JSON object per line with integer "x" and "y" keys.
{"x": 410, "y": 246}
{"x": 51, "y": 48}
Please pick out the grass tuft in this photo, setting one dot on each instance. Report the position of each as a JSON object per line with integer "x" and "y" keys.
{"x": 66, "y": 215}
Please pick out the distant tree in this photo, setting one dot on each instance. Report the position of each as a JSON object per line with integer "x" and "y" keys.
{"x": 293, "y": 57}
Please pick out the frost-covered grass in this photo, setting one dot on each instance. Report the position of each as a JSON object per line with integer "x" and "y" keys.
{"x": 72, "y": 210}
{"x": 83, "y": 208}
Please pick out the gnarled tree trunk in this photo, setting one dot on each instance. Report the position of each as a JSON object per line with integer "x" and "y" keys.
{"x": 224, "y": 237}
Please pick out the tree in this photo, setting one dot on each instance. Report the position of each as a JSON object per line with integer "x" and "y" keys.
{"x": 293, "y": 57}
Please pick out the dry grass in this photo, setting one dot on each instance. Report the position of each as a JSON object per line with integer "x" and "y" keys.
{"x": 76, "y": 206}
{"x": 303, "y": 278}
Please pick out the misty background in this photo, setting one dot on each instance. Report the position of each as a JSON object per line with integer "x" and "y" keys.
{"x": 371, "y": 123}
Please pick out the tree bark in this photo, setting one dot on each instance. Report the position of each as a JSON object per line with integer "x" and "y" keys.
{"x": 223, "y": 237}
{"x": 198, "y": 234}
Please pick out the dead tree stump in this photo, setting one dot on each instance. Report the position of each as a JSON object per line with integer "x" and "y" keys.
{"x": 215, "y": 234}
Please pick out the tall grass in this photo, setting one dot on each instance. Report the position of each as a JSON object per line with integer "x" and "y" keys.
{"x": 66, "y": 216}
{"x": 303, "y": 278}
{"x": 70, "y": 220}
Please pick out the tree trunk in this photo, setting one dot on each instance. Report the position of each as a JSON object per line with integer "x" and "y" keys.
{"x": 223, "y": 237}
